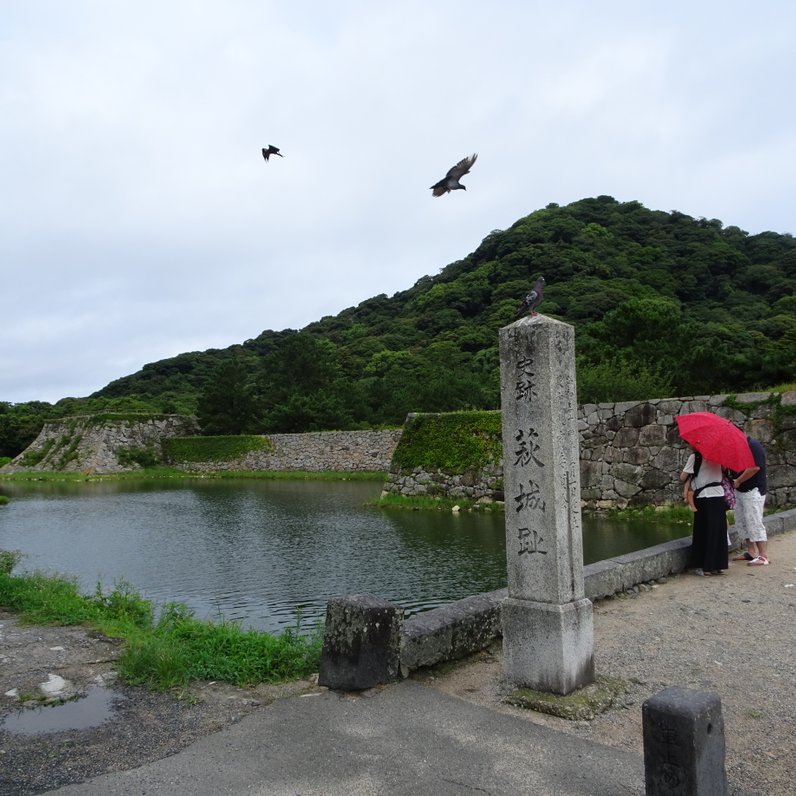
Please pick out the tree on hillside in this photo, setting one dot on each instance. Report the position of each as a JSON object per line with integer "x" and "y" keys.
{"x": 660, "y": 301}
{"x": 301, "y": 386}
{"x": 227, "y": 404}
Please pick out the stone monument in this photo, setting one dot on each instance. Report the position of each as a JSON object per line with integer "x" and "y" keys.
{"x": 548, "y": 638}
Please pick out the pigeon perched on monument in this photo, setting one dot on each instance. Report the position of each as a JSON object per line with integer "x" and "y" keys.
{"x": 533, "y": 299}
{"x": 272, "y": 150}
{"x": 451, "y": 180}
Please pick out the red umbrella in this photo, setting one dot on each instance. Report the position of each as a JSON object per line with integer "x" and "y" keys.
{"x": 717, "y": 439}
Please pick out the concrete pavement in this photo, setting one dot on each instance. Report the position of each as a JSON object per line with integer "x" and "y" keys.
{"x": 400, "y": 739}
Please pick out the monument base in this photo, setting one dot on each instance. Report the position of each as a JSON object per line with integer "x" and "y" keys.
{"x": 548, "y": 647}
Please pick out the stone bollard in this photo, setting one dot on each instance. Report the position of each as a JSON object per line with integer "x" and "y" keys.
{"x": 684, "y": 744}
{"x": 361, "y": 642}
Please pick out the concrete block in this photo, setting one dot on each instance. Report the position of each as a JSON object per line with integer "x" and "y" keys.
{"x": 684, "y": 747}
{"x": 361, "y": 643}
{"x": 654, "y": 562}
{"x": 451, "y": 631}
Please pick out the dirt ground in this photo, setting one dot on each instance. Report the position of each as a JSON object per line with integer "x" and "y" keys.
{"x": 141, "y": 725}
{"x": 732, "y": 635}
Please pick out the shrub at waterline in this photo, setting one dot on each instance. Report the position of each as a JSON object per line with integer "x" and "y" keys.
{"x": 170, "y": 652}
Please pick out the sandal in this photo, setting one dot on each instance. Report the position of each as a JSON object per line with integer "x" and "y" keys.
{"x": 760, "y": 561}
{"x": 744, "y": 557}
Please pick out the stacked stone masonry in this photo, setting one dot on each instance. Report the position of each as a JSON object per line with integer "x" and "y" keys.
{"x": 631, "y": 453}
{"x": 84, "y": 444}
{"x": 81, "y": 444}
{"x": 321, "y": 451}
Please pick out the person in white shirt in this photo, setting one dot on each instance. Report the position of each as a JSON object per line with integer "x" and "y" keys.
{"x": 709, "y": 554}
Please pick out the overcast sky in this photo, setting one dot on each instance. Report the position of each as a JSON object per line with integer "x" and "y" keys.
{"x": 138, "y": 219}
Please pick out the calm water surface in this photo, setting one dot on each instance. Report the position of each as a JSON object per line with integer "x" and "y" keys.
{"x": 261, "y": 552}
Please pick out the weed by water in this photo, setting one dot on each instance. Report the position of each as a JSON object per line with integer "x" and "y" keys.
{"x": 168, "y": 652}
{"x": 182, "y": 648}
{"x": 8, "y": 560}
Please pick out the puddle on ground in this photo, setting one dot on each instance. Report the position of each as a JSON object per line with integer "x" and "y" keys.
{"x": 78, "y": 714}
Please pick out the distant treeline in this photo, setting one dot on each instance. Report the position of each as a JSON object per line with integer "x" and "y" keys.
{"x": 663, "y": 304}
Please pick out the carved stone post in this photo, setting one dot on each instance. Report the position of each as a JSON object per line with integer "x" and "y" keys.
{"x": 548, "y": 640}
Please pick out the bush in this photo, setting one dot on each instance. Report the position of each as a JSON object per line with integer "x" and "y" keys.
{"x": 142, "y": 457}
{"x": 8, "y": 560}
{"x": 618, "y": 380}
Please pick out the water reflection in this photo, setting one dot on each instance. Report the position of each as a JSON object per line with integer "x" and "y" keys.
{"x": 262, "y": 552}
{"x": 90, "y": 710}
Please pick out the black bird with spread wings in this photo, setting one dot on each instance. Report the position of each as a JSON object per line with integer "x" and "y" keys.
{"x": 533, "y": 299}
{"x": 451, "y": 180}
{"x": 272, "y": 150}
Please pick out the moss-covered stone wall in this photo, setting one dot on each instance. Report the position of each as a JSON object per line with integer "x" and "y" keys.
{"x": 630, "y": 453}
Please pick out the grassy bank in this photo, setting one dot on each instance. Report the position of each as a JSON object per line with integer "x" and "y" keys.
{"x": 173, "y": 472}
{"x": 166, "y": 652}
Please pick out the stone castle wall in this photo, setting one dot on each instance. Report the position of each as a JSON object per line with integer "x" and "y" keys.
{"x": 631, "y": 453}
{"x": 340, "y": 451}
{"x": 86, "y": 444}
{"x": 89, "y": 444}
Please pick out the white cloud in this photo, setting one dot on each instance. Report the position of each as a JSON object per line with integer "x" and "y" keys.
{"x": 138, "y": 219}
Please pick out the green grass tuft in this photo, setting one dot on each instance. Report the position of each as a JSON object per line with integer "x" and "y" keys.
{"x": 169, "y": 652}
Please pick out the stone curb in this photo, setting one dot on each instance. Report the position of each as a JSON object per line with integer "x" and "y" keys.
{"x": 472, "y": 624}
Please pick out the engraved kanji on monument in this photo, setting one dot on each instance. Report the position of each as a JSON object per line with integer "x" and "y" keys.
{"x": 548, "y": 638}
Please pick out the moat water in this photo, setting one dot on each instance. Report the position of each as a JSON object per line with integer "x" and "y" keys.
{"x": 265, "y": 553}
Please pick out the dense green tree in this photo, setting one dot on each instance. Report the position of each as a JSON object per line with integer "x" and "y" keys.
{"x": 20, "y": 425}
{"x": 302, "y": 386}
{"x": 660, "y": 301}
{"x": 227, "y": 404}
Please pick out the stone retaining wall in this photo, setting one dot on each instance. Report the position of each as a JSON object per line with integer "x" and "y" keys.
{"x": 631, "y": 453}
{"x": 321, "y": 451}
{"x": 92, "y": 444}
{"x": 463, "y": 627}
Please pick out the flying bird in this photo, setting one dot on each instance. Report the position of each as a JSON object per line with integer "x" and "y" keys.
{"x": 272, "y": 150}
{"x": 451, "y": 180}
{"x": 533, "y": 299}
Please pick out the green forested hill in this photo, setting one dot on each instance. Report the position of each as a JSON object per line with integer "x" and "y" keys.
{"x": 662, "y": 304}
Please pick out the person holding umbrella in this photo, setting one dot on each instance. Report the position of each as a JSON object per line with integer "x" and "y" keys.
{"x": 709, "y": 536}
{"x": 716, "y": 443}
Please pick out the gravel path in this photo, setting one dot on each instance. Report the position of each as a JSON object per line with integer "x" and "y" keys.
{"x": 732, "y": 635}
